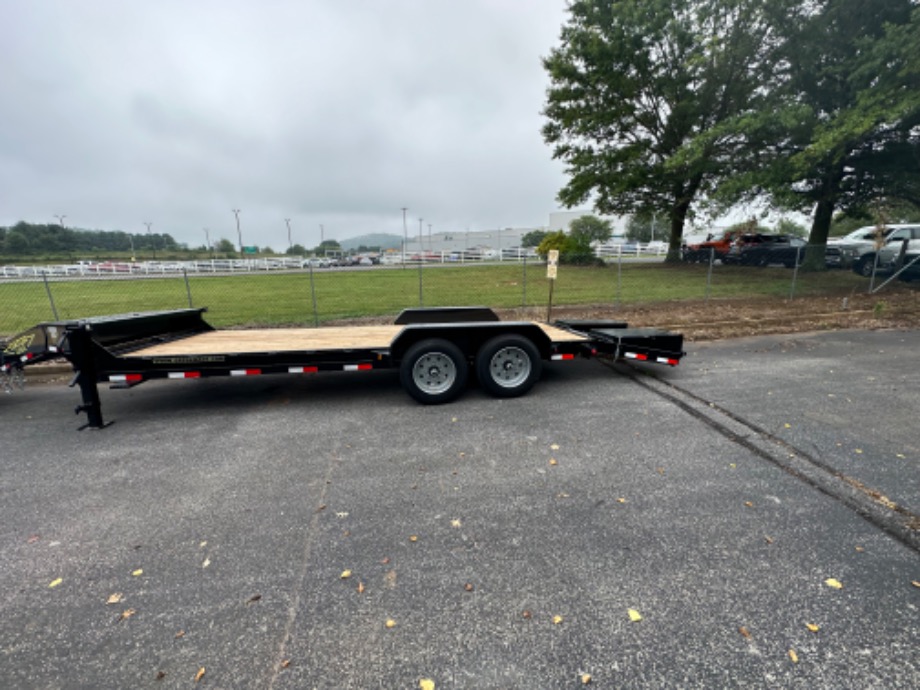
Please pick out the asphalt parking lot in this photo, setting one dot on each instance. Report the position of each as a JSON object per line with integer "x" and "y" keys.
{"x": 686, "y": 529}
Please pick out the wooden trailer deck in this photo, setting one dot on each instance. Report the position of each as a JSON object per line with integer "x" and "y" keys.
{"x": 262, "y": 340}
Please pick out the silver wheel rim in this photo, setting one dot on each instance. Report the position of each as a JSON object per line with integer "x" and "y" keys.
{"x": 510, "y": 367}
{"x": 434, "y": 373}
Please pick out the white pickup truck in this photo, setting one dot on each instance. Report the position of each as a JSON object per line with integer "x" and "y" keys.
{"x": 886, "y": 258}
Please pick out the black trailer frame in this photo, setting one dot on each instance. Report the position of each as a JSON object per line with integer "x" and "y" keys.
{"x": 434, "y": 349}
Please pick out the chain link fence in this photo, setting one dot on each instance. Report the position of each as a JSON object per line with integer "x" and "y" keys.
{"x": 308, "y": 296}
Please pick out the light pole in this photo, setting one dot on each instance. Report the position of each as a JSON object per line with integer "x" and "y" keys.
{"x": 60, "y": 220}
{"x": 430, "y": 249}
{"x": 152, "y": 242}
{"x": 420, "y": 245}
{"x": 207, "y": 242}
{"x": 239, "y": 233}
{"x": 288, "y": 222}
{"x": 131, "y": 240}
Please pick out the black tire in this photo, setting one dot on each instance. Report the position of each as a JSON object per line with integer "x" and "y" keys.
{"x": 865, "y": 266}
{"x": 434, "y": 371}
{"x": 508, "y": 366}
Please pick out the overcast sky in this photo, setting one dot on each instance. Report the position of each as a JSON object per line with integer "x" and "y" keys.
{"x": 332, "y": 112}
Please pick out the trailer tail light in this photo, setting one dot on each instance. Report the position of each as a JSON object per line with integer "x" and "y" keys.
{"x": 26, "y": 357}
{"x": 184, "y": 375}
{"x": 562, "y": 357}
{"x": 126, "y": 378}
{"x": 303, "y": 370}
{"x": 245, "y": 372}
{"x": 357, "y": 367}
{"x": 637, "y": 356}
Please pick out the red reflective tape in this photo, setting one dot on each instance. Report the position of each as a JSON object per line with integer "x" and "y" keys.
{"x": 125, "y": 378}
{"x": 26, "y": 357}
{"x": 563, "y": 357}
{"x": 358, "y": 367}
{"x": 245, "y": 372}
{"x": 673, "y": 362}
{"x": 303, "y": 370}
{"x": 184, "y": 374}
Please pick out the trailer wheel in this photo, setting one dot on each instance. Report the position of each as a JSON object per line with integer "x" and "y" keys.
{"x": 433, "y": 371}
{"x": 508, "y": 366}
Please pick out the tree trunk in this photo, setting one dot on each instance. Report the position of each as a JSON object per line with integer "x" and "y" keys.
{"x": 821, "y": 224}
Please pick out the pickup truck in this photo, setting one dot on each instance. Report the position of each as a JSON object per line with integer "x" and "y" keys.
{"x": 885, "y": 259}
{"x": 846, "y": 251}
{"x": 713, "y": 248}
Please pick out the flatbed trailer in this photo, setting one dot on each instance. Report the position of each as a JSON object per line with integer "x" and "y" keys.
{"x": 434, "y": 350}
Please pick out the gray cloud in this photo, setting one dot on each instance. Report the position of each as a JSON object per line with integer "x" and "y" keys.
{"x": 323, "y": 112}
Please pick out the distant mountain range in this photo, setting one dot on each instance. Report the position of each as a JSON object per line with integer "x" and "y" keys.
{"x": 376, "y": 239}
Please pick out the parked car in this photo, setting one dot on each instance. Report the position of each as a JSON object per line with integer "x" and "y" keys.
{"x": 711, "y": 248}
{"x": 750, "y": 248}
{"x": 788, "y": 254}
{"x": 846, "y": 251}
{"x": 884, "y": 259}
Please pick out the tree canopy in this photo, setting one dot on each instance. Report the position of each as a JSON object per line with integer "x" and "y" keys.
{"x": 25, "y": 239}
{"x": 633, "y": 82}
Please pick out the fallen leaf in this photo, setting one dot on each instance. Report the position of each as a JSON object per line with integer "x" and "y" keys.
{"x": 285, "y": 663}
{"x": 345, "y": 574}
{"x": 254, "y": 598}
{"x": 116, "y": 598}
{"x": 346, "y": 532}
{"x": 34, "y": 538}
{"x": 161, "y": 675}
{"x": 769, "y": 540}
{"x": 555, "y": 446}
{"x": 202, "y": 544}
{"x": 127, "y": 613}
{"x": 553, "y": 462}
{"x": 321, "y": 507}
{"x": 455, "y": 523}
{"x": 138, "y": 572}
{"x": 206, "y": 563}
{"x": 859, "y": 549}
{"x": 793, "y": 656}
{"x": 811, "y": 626}
{"x": 55, "y": 583}
{"x": 413, "y": 538}
{"x": 621, "y": 500}
{"x": 557, "y": 620}
{"x": 426, "y": 684}
{"x": 901, "y": 456}
{"x": 733, "y": 465}
{"x": 390, "y": 623}
{"x": 360, "y": 587}
{"x": 745, "y": 633}
{"x": 526, "y": 614}
{"x": 385, "y": 561}
{"x": 749, "y": 504}
{"x": 180, "y": 634}
{"x": 634, "y": 615}
{"x": 453, "y": 419}
{"x": 858, "y": 451}
{"x": 200, "y": 674}
{"x": 659, "y": 470}
{"x": 831, "y": 582}
{"x": 468, "y": 587}
{"x": 585, "y": 678}
{"x": 563, "y": 494}
{"x": 787, "y": 426}
{"x": 915, "y": 583}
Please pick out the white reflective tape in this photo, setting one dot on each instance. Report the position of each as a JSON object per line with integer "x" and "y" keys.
{"x": 238, "y": 372}
{"x": 631, "y": 355}
{"x": 663, "y": 360}
{"x": 118, "y": 378}
{"x": 52, "y": 348}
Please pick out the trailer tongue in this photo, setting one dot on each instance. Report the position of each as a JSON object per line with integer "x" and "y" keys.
{"x": 433, "y": 349}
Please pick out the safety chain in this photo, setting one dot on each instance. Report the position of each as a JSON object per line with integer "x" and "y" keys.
{"x": 16, "y": 378}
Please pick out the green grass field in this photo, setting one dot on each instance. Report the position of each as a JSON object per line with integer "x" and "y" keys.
{"x": 287, "y": 298}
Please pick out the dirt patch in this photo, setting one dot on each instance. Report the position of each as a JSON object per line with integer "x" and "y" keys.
{"x": 718, "y": 319}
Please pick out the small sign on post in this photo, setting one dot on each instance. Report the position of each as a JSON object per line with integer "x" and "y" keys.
{"x": 552, "y": 264}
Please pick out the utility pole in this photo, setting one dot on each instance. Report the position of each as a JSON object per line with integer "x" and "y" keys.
{"x": 405, "y": 236}
{"x": 152, "y": 242}
{"x": 421, "y": 247}
{"x": 207, "y": 242}
{"x": 322, "y": 234}
{"x": 239, "y": 233}
{"x": 290, "y": 243}
{"x": 429, "y": 238}
{"x": 60, "y": 220}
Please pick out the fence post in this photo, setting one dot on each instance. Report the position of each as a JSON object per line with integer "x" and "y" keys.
{"x": 795, "y": 272}
{"x": 188, "y": 289}
{"x": 619, "y": 280}
{"x": 712, "y": 259}
{"x": 50, "y": 297}
{"x": 524, "y": 283}
{"x": 421, "y": 301}
{"x": 313, "y": 293}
